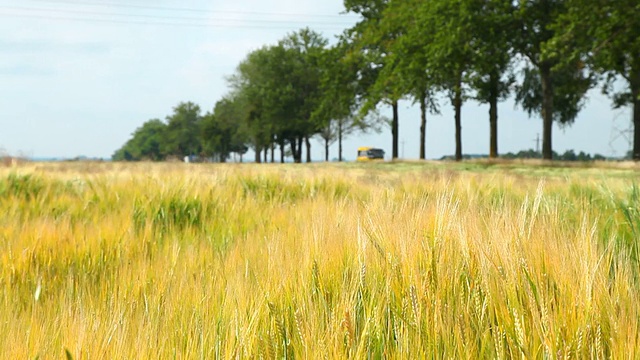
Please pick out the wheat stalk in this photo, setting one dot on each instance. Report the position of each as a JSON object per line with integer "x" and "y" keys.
{"x": 347, "y": 324}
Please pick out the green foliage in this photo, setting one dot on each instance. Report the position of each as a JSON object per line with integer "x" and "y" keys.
{"x": 373, "y": 38}
{"x": 492, "y": 23}
{"x": 338, "y": 104}
{"x": 569, "y": 155}
{"x": 183, "y": 129}
{"x": 552, "y": 87}
{"x": 569, "y": 86}
{"x": 608, "y": 39}
{"x": 270, "y": 189}
{"x": 605, "y": 35}
{"x": 281, "y": 89}
{"x": 250, "y": 86}
{"x": 146, "y": 143}
{"x": 222, "y": 131}
{"x": 26, "y": 187}
{"x": 156, "y": 140}
{"x": 629, "y": 207}
{"x": 170, "y": 212}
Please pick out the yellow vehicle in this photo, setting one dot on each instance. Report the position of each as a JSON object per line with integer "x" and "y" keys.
{"x": 367, "y": 153}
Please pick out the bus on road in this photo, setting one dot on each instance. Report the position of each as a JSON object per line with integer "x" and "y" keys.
{"x": 366, "y": 153}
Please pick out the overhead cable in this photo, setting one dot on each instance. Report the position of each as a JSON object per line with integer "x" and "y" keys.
{"x": 186, "y": 19}
{"x": 181, "y": 9}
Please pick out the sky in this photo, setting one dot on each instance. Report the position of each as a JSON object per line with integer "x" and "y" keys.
{"x": 77, "y": 77}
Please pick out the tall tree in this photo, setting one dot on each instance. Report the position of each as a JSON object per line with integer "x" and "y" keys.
{"x": 183, "y": 131}
{"x": 304, "y": 77}
{"x": 251, "y": 86}
{"x": 606, "y": 35}
{"x": 281, "y": 85}
{"x": 448, "y": 23}
{"x": 372, "y": 41}
{"x": 337, "y": 102}
{"x": 146, "y": 143}
{"x": 222, "y": 131}
{"x": 492, "y": 27}
{"x": 410, "y": 71}
{"x": 551, "y": 87}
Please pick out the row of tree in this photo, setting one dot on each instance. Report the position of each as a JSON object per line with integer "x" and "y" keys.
{"x": 548, "y": 53}
{"x": 186, "y": 132}
{"x": 472, "y": 49}
{"x": 281, "y": 97}
{"x": 568, "y": 155}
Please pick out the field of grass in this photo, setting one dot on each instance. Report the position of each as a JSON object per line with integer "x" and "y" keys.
{"x": 394, "y": 261}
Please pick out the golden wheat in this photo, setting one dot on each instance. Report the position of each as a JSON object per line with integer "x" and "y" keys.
{"x": 399, "y": 261}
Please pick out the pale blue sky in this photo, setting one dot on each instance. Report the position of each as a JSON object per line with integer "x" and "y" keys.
{"x": 77, "y": 77}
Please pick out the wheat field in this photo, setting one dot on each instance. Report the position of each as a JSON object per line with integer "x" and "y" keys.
{"x": 386, "y": 261}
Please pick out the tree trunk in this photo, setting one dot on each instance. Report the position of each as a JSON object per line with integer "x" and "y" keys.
{"x": 294, "y": 150}
{"x": 326, "y": 150}
{"x": 292, "y": 145}
{"x": 273, "y": 150}
{"x": 636, "y": 119}
{"x": 281, "y": 151}
{"x": 547, "y": 111}
{"x": 266, "y": 153}
{"x": 298, "y": 150}
{"x": 258, "y": 153}
{"x": 394, "y": 131}
{"x": 423, "y": 125}
{"x": 308, "y": 144}
{"x": 340, "y": 141}
{"x": 493, "y": 116}
{"x": 300, "y": 140}
{"x": 457, "y": 105}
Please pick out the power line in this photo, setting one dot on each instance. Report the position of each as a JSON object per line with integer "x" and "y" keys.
{"x": 164, "y": 8}
{"x": 154, "y": 23}
{"x": 620, "y": 131}
{"x": 164, "y": 17}
{"x": 537, "y": 141}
